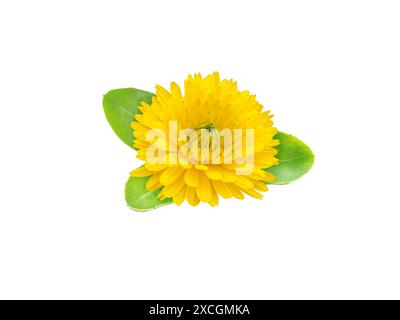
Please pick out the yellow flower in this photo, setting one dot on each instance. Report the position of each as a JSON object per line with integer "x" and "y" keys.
{"x": 208, "y": 107}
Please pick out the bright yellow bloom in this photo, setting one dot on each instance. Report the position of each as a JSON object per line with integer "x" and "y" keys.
{"x": 208, "y": 105}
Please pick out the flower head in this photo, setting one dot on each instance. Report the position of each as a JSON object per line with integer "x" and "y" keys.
{"x": 210, "y": 140}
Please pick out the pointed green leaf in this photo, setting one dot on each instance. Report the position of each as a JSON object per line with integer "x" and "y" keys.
{"x": 139, "y": 198}
{"x": 120, "y": 107}
{"x": 295, "y": 159}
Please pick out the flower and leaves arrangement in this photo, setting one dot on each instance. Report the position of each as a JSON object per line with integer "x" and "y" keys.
{"x": 201, "y": 143}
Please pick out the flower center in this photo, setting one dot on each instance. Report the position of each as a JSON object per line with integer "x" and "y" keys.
{"x": 208, "y": 136}
{"x": 207, "y": 126}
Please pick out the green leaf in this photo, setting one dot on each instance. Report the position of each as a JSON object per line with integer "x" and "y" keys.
{"x": 120, "y": 107}
{"x": 295, "y": 159}
{"x": 139, "y": 198}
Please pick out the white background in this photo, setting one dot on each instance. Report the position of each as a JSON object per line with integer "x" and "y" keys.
{"x": 328, "y": 70}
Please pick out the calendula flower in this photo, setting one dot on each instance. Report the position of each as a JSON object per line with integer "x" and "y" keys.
{"x": 210, "y": 140}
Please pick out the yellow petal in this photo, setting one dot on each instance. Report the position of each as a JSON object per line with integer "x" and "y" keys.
{"x": 192, "y": 177}
{"x": 237, "y": 193}
{"x": 201, "y": 167}
{"x": 140, "y": 144}
{"x": 173, "y": 189}
{"x": 222, "y": 189}
{"x": 153, "y": 182}
{"x": 243, "y": 182}
{"x": 204, "y": 188}
{"x": 214, "y": 173}
{"x": 265, "y": 155}
{"x": 192, "y": 197}
{"x": 180, "y": 197}
{"x": 257, "y": 174}
{"x": 260, "y": 186}
{"x": 184, "y": 163}
{"x": 157, "y": 186}
{"x": 227, "y": 175}
{"x": 155, "y": 167}
{"x": 161, "y": 92}
{"x": 269, "y": 177}
{"x": 253, "y": 193}
{"x": 170, "y": 174}
{"x": 175, "y": 90}
{"x": 214, "y": 200}
{"x": 141, "y": 172}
